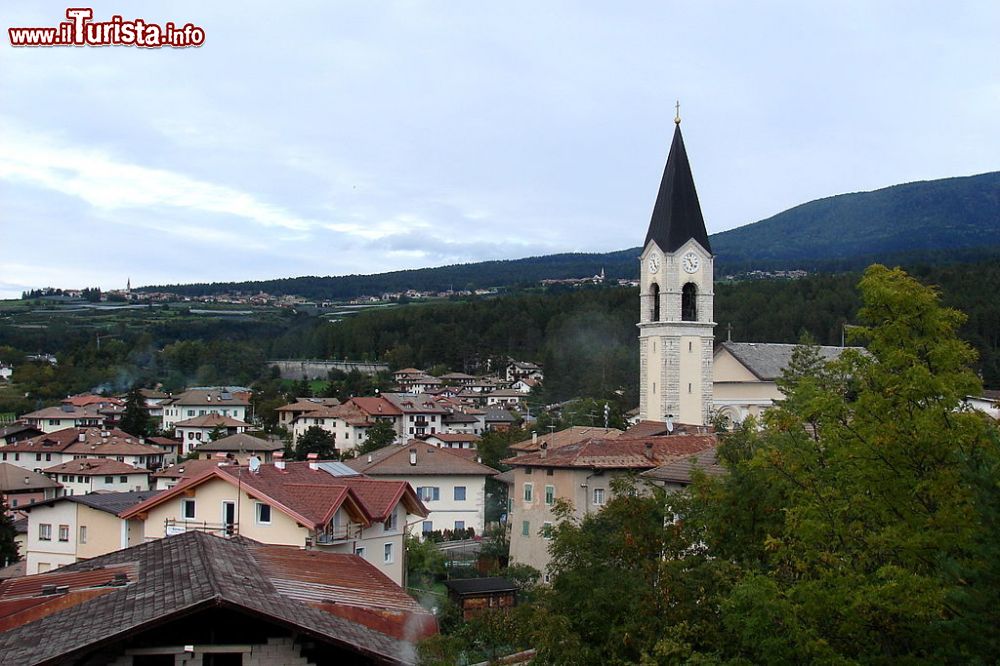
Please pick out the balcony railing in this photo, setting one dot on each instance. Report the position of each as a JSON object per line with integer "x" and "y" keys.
{"x": 334, "y": 535}
{"x": 173, "y": 526}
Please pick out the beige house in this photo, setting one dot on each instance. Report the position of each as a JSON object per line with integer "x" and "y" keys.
{"x": 288, "y": 413}
{"x": 71, "y": 444}
{"x": 582, "y": 474}
{"x": 69, "y": 529}
{"x": 347, "y": 423}
{"x": 746, "y": 374}
{"x": 315, "y": 505}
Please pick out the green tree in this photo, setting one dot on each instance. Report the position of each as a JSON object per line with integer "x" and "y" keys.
{"x": 316, "y": 440}
{"x": 379, "y": 436}
{"x": 8, "y": 536}
{"x": 135, "y": 421}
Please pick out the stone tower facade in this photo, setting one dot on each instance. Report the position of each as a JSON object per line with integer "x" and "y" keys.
{"x": 676, "y": 327}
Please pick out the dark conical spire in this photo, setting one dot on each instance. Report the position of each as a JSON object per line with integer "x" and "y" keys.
{"x": 677, "y": 213}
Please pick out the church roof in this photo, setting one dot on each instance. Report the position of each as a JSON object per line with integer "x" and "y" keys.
{"x": 677, "y": 213}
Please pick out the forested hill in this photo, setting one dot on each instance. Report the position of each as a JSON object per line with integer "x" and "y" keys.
{"x": 935, "y": 222}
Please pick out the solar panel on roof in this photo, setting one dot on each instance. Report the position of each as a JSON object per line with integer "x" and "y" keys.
{"x": 334, "y": 468}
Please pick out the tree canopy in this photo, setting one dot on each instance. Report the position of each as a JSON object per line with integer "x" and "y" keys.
{"x": 857, "y": 522}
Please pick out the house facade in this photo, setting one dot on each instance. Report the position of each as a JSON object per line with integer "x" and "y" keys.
{"x": 89, "y": 475}
{"x": 451, "y": 487}
{"x": 315, "y": 505}
{"x": 200, "y": 402}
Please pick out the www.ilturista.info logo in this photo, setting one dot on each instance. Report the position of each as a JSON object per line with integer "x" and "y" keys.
{"x": 81, "y": 30}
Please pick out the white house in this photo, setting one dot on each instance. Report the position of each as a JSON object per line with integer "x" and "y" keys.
{"x": 200, "y": 402}
{"x": 88, "y": 475}
{"x": 199, "y": 429}
{"x": 450, "y": 485}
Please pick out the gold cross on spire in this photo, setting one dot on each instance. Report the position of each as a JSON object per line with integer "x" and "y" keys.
{"x": 677, "y": 118}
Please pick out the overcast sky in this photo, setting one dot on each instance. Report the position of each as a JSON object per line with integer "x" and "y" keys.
{"x": 328, "y": 138}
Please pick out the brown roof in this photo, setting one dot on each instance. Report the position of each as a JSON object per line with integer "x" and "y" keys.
{"x": 14, "y": 478}
{"x": 394, "y": 460}
{"x": 202, "y": 397}
{"x": 680, "y": 469}
{"x": 348, "y": 412}
{"x": 308, "y": 404}
{"x": 570, "y": 435}
{"x": 240, "y": 442}
{"x": 64, "y": 412}
{"x": 84, "y": 399}
{"x": 167, "y": 442}
{"x": 420, "y": 403}
{"x": 211, "y": 421}
{"x": 333, "y": 600}
{"x": 310, "y": 496}
{"x": 185, "y": 470}
{"x": 94, "y": 467}
{"x": 621, "y": 453}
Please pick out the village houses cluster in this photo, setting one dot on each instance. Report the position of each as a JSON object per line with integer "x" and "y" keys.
{"x": 314, "y": 551}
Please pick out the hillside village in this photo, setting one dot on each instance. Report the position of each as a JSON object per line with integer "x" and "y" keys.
{"x": 293, "y": 547}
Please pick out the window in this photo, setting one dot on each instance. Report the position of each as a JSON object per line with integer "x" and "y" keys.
{"x": 528, "y": 492}
{"x": 263, "y": 513}
{"x": 123, "y": 479}
{"x": 390, "y": 524}
{"x": 83, "y": 534}
{"x": 689, "y": 302}
{"x": 44, "y": 532}
{"x": 387, "y": 556}
{"x": 65, "y": 478}
{"x": 459, "y": 525}
{"x": 550, "y": 495}
{"x": 546, "y": 530}
{"x": 527, "y": 470}
{"x": 360, "y": 551}
{"x": 109, "y": 479}
{"x": 549, "y": 472}
{"x": 38, "y": 456}
{"x": 654, "y": 297}
{"x": 429, "y": 493}
{"x": 190, "y": 412}
{"x": 427, "y": 526}
{"x": 598, "y": 496}
{"x": 187, "y": 509}
{"x": 525, "y": 528}
{"x": 64, "y": 532}
{"x": 53, "y": 421}
{"x": 48, "y": 457}
{"x": 459, "y": 493}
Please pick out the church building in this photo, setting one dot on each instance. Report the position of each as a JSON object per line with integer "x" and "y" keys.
{"x": 676, "y": 327}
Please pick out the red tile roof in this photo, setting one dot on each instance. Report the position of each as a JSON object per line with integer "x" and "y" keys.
{"x": 378, "y": 406}
{"x": 570, "y": 435}
{"x": 311, "y": 496}
{"x": 621, "y": 453}
{"x": 456, "y": 437}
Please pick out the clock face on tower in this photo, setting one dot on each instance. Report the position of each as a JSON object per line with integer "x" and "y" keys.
{"x": 690, "y": 262}
{"x": 654, "y": 264}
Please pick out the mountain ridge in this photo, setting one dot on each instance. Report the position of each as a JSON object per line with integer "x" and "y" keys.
{"x": 931, "y": 221}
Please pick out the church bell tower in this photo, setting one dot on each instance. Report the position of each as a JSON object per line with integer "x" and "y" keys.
{"x": 676, "y": 331}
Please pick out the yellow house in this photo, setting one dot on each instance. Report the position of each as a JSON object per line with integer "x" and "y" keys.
{"x": 68, "y": 529}
{"x": 745, "y": 374}
{"x": 316, "y": 505}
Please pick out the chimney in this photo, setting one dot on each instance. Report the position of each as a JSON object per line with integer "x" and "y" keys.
{"x": 83, "y": 437}
{"x": 534, "y": 437}
{"x": 27, "y": 480}
{"x": 279, "y": 460}
{"x": 312, "y": 458}
{"x": 413, "y": 456}
{"x": 369, "y": 457}
{"x": 543, "y": 450}
{"x": 649, "y": 450}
